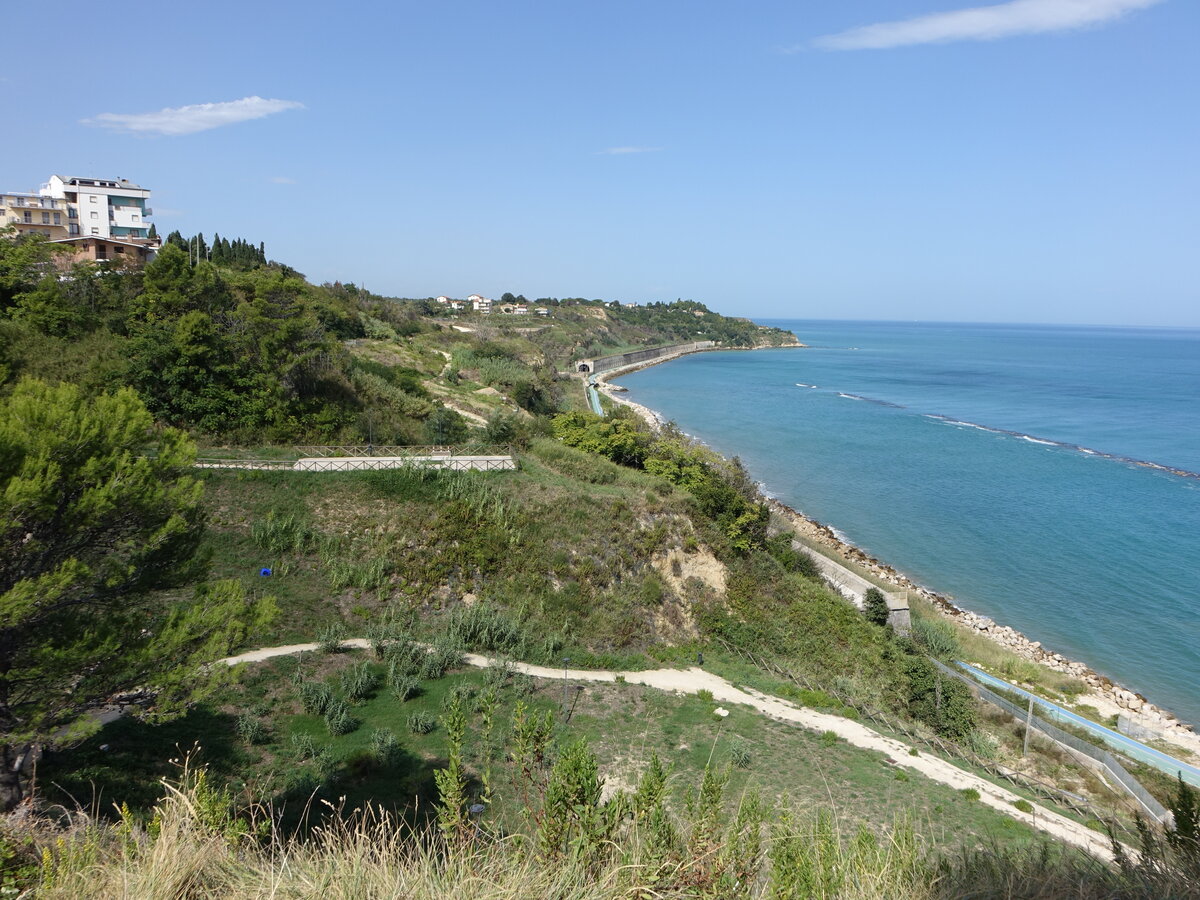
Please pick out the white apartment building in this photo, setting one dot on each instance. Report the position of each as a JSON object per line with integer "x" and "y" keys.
{"x": 102, "y": 208}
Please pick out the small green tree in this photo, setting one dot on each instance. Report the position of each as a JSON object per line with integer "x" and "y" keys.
{"x": 445, "y": 426}
{"x": 875, "y": 607}
{"x": 92, "y": 528}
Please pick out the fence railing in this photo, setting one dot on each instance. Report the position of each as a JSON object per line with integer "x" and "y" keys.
{"x": 1101, "y": 756}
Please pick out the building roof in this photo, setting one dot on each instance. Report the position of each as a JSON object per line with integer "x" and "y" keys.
{"x": 101, "y": 182}
{"x": 96, "y": 237}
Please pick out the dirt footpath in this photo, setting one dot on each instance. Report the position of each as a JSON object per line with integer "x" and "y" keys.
{"x": 690, "y": 681}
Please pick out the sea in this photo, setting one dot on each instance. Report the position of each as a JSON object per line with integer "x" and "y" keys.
{"x": 1045, "y": 476}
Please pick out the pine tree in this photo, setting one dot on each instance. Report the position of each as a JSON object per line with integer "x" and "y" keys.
{"x": 92, "y": 529}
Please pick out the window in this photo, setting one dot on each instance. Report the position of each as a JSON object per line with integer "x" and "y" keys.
{"x": 95, "y": 215}
{"x": 118, "y": 249}
{"x": 93, "y": 198}
{"x": 28, "y": 217}
{"x": 58, "y": 218}
{"x": 45, "y": 218}
{"x": 101, "y": 251}
{"x": 95, "y": 231}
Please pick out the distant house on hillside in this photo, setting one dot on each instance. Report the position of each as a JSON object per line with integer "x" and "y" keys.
{"x": 480, "y": 304}
{"x": 443, "y": 300}
{"x": 541, "y": 311}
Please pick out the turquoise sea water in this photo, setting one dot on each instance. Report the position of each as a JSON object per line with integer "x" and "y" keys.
{"x": 960, "y": 455}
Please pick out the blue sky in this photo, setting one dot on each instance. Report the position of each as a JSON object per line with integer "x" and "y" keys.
{"x": 1032, "y": 160}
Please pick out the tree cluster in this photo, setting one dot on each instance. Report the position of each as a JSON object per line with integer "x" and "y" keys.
{"x": 237, "y": 254}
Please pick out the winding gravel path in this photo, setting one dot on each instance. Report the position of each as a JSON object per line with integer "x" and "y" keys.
{"x": 690, "y": 681}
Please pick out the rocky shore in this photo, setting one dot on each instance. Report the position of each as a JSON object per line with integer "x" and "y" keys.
{"x": 1108, "y": 697}
{"x": 1105, "y": 695}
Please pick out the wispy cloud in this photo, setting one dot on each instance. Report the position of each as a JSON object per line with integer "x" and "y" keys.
{"x": 984, "y": 23}
{"x": 620, "y": 151}
{"x": 191, "y": 119}
{"x": 282, "y": 179}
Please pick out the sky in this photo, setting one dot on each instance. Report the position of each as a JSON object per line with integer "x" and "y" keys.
{"x": 1022, "y": 161}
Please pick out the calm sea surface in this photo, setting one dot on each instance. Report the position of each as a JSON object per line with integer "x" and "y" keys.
{"x": 995, "y": 463}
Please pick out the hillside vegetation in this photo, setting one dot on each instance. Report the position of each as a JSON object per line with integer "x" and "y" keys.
{"x": 610, "y": 546}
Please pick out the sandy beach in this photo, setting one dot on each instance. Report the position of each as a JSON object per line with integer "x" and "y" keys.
{"x": 1106, "y": 696}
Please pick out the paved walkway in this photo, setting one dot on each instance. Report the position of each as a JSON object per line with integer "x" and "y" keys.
{"x": 690, "y": 681}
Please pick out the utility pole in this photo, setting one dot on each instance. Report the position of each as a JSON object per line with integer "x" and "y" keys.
{"x": 1028, "y": 727}
{"x": 566, "y": 659}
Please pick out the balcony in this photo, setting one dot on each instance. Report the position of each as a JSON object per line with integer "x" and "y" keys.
{"x": 33, "y": 202}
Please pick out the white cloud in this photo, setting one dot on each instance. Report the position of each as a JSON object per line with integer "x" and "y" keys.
{"x": 190, "y": 119}
{"x": 282, "y": 179}
{"x": 620, "y": 151}
{"x": 984, "y": 23}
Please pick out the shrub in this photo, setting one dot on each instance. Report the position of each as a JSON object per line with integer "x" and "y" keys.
{"x": 1023, "y": 805}
{"x": 970, "y": 794}
{"x": 404, "y": 687}
{"x": 385, "y": 746}
{"x": 705, "y": 694}
{"x": 875, "y": 607}
{"x": 303, "y": 746}
{"x": 484, "y": 627}
{"x": 421, "y": 722}
{"x": 828, "y": 738}
{"x": 338, "y": 719}
{"x": 739, "y": 754}
{"x": 942, "y": 702}
{"x": 252, "y": 730}
{"x": 284, "y": 533}
{"x": 329, "y": 639}
{"x": 359, "y": 682}
{"x": 936, "y": 636}
{"x": 315, "y": 697}
{"x": 442, "y": 658}
{"x": 462, "y": 694}
{"x": 405, "y": 658}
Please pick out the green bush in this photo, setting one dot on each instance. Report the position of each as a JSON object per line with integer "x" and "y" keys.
{"x": 438, "y": 661}
{"x": 1023, "y": 805}
{"x": 875, "y": 607}
{"x": 971, "y": 795}
{"x": 330, "y": 638}
{"x": 403, "y": 686}
{"x": 283, "y": 533}
{"x": 252, "y": 730}
{"x": 936, "y": 637}
{"x": 315, "y": 697}
{"x": 338, "y": 719}
{"x": 485, "y": 627}
{"x": 421, "y": 722}
{"x": 385, "y": 746}
{"x": 303, "y": 746}
{"x": 940, "y": 701}
{"x": 359, "y": 682}
{"x": 578, "y": 464}
{"x": 404, "y": 658}
{"x": 739, "y": 754}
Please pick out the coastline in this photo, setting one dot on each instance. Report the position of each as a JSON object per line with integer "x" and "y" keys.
{"x": 1107, "y": 696}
